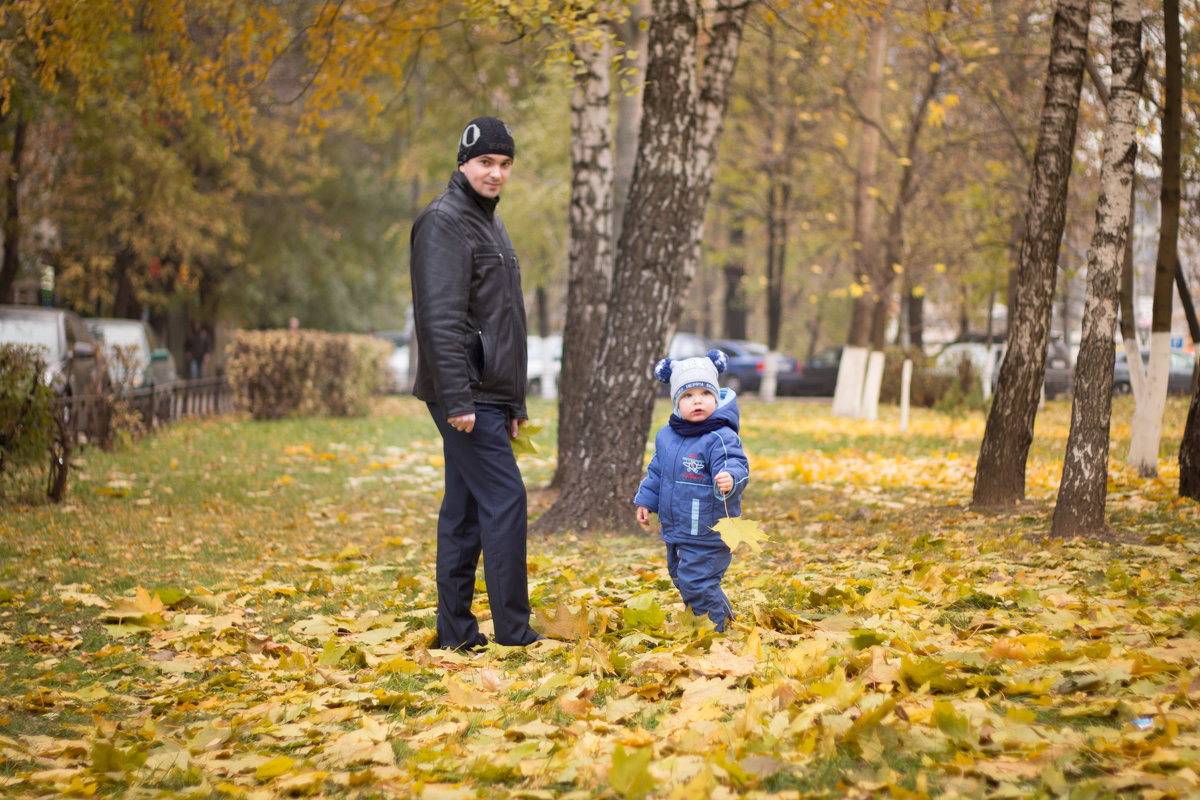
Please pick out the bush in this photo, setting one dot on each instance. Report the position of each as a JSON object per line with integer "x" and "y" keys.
{"x": 930, "y": 388}
{"x": 276, "y": 374}
{"x": 32, "y": 433}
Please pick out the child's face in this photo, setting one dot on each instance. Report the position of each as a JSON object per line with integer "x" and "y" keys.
{"x": 697, "y": 405}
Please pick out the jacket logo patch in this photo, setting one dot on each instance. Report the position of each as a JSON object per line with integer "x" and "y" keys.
{"x": 693, "y": 466}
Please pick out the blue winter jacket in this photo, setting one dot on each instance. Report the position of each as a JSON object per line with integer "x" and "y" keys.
{"x": 679, "y": 483}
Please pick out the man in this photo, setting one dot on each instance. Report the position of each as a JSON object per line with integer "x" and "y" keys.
{"x": 197, "y": 347}
{"x": 470, "y": 330}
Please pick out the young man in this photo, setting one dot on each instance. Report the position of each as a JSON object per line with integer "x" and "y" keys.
{"x": 470, "y": 330}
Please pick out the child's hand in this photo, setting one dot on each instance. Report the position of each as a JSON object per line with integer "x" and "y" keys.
{"x": 643, "y": 516}
{"x": 724, "y": 482}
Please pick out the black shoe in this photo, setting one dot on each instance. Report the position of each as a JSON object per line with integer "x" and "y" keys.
{"x": 475, "y": 645}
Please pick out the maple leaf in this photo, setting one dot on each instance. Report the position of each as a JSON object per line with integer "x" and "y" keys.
{"x": 630, "y": 772}
{"x": 143, "y": 606}
{"x": 564, "y": 624}
{"x": 735, "y": 530}
{"x": 523, "y": 442}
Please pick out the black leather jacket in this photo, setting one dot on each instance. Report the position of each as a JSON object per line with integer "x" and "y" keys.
{"x": 467, "y": 305}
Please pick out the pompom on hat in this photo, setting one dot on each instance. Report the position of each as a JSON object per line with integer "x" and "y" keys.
{"x": 485, "y": 136}
{"x": 692, "y": 373}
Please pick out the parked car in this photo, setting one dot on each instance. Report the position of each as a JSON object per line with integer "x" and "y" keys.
{"x": 1179, "y": 378}
{"x": 152, "y": 365}
{"x": 747, "y": 362}
{"x": 544, "y": 361}
{"x": 818, "y": 374}
{"x": 1059, "y": 378}
{"x": 70, "y": 350}
{"x": 397, "y": 378}
{"x": 688, "y": 345}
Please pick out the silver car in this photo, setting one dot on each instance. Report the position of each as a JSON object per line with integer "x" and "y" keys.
{"x": 62, "y": 339}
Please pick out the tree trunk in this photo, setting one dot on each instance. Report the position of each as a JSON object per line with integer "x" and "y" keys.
{"x": 866, "y": 250}
{"x": 12, "y": 214}
{"x": 1189, "y": 447}
{"x": 916, "y": 318}
{"x": 603, "y": 458}
{"x": 1185, "y": 300}
{"x": 1146, "y": 431}
{"x": 1000, "y": 473}
{"x": 1083, "y": 490}
{"x": 734, "y": 318}
{"x": 590, "y": 218}
{"x": 1127, "y": 301}
{"x": 632, "y": 32}
{"x": 779, "y": 200}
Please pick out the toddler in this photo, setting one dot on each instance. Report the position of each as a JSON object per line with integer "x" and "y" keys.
{"x": 695, "y": 478}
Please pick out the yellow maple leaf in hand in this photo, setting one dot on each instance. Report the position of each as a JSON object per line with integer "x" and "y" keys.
{"x": 523, "y": 443}
{"x": 735, "y": 530}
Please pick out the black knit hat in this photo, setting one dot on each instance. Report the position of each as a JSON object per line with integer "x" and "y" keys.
{"x": 485, "y": 136}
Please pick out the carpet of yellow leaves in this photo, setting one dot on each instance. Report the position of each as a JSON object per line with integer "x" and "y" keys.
{"x": 215, "y": 630}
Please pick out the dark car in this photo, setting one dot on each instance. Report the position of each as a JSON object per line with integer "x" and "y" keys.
{"x": 747, "y": 362}
{"x": 149, "y": 365}
{"x": 818, "y": 374}
{"x": 1060, "y": 377}
{"x": 1179, "y": 379}
{"x": 64, "y": 341}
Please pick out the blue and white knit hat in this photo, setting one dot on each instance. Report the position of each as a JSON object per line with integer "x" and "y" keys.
{"x": 691, "y": 373}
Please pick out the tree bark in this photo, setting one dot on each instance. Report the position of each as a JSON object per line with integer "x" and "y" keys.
{"x": 1000, "y": 473}
{"x": 734, "y": 318}
{"x": 11, "y": 262}
{"x": 632, "y": 32}
{"x": 1084, "y": 487}
{"x": 1189, "y": 446}
{"x": 1185, "y": 300}
{"x": 866, "y": 259}
{"x": 779, "y": 200}
{"x": 590, "y": 218}
{"x": 1146, "y": 431}
{"x": 602, "y": 460}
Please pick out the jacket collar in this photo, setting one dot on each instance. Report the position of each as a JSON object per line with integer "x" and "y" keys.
{"x": 460, "y": 182}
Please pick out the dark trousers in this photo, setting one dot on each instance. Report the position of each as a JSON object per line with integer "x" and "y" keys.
{"x": 484, "y": 510}
{"x": 696, "y": 568}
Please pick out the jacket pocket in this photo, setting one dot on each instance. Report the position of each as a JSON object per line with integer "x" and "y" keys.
{"x": 481, "y": 360}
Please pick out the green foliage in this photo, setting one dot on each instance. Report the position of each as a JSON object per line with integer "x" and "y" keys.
{"x": 28, "y": 409}
{"x": 276, "y": 374}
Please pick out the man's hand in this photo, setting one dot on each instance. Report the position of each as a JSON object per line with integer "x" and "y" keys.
{"x": 724, "y": 482}
{"x": 514, "y": 428}
{"x": 463, "y": 422}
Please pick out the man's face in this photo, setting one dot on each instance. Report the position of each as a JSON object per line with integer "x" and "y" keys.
{"x": 697, "y": 405}
{"x": 487, "y": 174}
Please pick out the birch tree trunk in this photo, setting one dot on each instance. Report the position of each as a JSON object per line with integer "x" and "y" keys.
{"x": 603, "y": 460}
{"x": 1084, "y": 487}
{"x": 1000, "y": 472}
{"x": 1146, "y": 432}
{"x": 848, "y": 395}
{"x": 590, "y": 219}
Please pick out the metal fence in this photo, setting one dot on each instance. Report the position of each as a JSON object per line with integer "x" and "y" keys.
{"x": 89, "y": 418}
